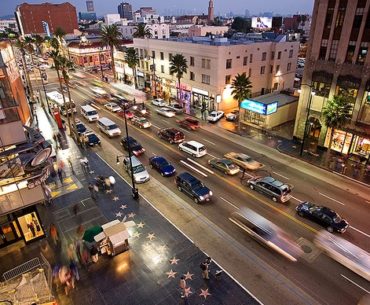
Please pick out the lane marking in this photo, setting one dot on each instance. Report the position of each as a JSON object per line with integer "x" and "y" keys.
{"x": 184, "y": 130}
{"x": 193, "y": 168}
{"x": 354, "y": 283}
{"x": 359, "y": 231}
{"x": 249, "y": 175}
{"x": 201, "y": 166}
{"x": 331, "y": 198}
{"x": 212, "y": 156}
{"x": 281, "y": 175}
{"x": 227, "y": 201}
{"x": 155, "y": 126}
{"x": 164, "y": 121}
{"x": 209, "y": 141}
{"x": 299, "y": 200}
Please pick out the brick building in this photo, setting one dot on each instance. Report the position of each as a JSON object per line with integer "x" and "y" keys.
{"x": 34, "y": 18}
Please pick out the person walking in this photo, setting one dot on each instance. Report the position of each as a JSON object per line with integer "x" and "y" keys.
{"x": 205, "y": 268}
{"x": 60, "y": 175}
{"x": 182, "y": 286}
{"x": 107, "y": 184}
{"x": 112, "y": 182}
{"x": 54, "y": 234}
{"x": 92, "y": 191}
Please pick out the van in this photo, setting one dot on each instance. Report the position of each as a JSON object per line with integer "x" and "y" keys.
{"x": 140, "y": 173}
{"x": 278, "y": 191}
{"x": 109, "y": 127}
{"x": 193, "y": 148}
{"x": 89, "y": 113}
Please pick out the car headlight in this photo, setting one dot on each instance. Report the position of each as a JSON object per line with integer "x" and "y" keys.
{"x": 201, "y": 198}
{"x": 210, "y": 193}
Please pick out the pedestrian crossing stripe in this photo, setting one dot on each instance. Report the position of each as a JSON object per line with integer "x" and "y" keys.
{"x": 67, "y": 180}
{"x": 72, "y": 187}
{"x": 55, "y": 194}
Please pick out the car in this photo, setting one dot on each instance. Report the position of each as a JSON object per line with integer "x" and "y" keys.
{"x": 232, "y": 116}
{"x": 167, "y": 112}
{"x": 129, "y": 114}
{"x": 189, "y": 123}
{"x": 266, "y": 233}
{"x": 91, "y": 138}
{"x": 135, "y": 146}
{"x": 141, "y": 122}
{"x": 73, "y": 84}
{"x": 162, "y": 166}
{"x": 244, "y": 161}
{"x": 140, "y": 111}
{"x": 113, "y": 107}
{"x": 193, "y": 148}
{"x": 139, "y": 171}
{"x": 159, "y": 102}
{"x": 176, "y": 107}
{"x": 80, "y": 127}
{"x": 270, "y": 187}
{"x": 193, "y": 187}
{"x": 224, "y": 165}
{"x": 323, "y": 216}
{"x": 171, "y": 135}
{"x": 215, "y": 116}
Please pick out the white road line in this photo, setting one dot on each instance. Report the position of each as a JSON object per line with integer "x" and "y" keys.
{"x": 227, "y": 201}
{"x": 209, "y": 142}
{"x": 193, "y": 168}
{"x": 331, "y": 198}
{"x": 155, "y": 126}
{"x": 359, "y": 231}
{"x": 184, "y": 130}
{"x": 201, "y": 166}
{"x": 212, "y": 156}
{"x": 354, "y": 283}
{"x": 164, "y": 121}
{"x": 299, "y": 200}
{"x": 249, "y": 175}
{"x": 281, "y": 175}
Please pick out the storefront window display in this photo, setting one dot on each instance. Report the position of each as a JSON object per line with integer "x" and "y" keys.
{"x": 341, "y": 141}
{"x": 30, "y": 226}
{"x": 362, "y": 146}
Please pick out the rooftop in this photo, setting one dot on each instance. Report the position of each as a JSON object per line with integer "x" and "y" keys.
{"x": 281, "y": 98}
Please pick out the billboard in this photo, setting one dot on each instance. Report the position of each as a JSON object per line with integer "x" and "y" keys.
{"x": 258, "y": 107}
{"x": 262, "y": 23}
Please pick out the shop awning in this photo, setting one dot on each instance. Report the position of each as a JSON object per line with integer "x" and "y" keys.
{"x": 91, "y": 232}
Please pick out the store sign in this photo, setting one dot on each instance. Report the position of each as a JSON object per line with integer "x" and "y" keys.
{"x": 140, "y": 74}
{"x": 200, "y": 91}
{"x": 271, "y": 108}
{"x": 259, "y": 107}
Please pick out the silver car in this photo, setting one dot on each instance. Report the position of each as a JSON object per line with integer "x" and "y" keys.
{"x": 140, "y": 173}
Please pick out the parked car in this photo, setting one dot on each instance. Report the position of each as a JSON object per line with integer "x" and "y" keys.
{"x": 139, "y": 171}
{"x": 141, "y": 122}
{"x": 193, "y": 187}
{"x": 270, "y": 187}
{"x": 161, "y": 165}
{"x": 159, "y": 102}
{"x": 80, "y": 127}
{"x": 113, "y": 107}
{"x": 224, "y": 165}
{"x": 167, "y": 112}
{"x": 91, "y": 138}
{"x": 189, "y": 123}
{"x": 215, "y": 116}
{"x": 244, "y": 161}
{"x": 232, "y": 116}
{"x": 135, "y": 146}
{"x": 129, "y": 115}
{"x": 176, "y": 107}
{"x": 323, "y": 216}
{"x": 171, "y": 135}
{"x": 193, "y": 148}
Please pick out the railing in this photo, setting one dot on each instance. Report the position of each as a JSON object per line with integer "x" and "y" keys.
{"x": 19, "y": 270}
{"x": 48, "y": 270}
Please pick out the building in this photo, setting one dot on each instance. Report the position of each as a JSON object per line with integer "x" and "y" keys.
{"x": 110, "y": 19}
{"x": 212, "y": 65}
{"x": 90, "y": 6}
{"x": 158, "y": 30}
{"x": 83, "y": 16}
{"x": 147, "y": 10}
{"x": 30, "y": 18}
{"x": 192, "y": 19}
{"x": 199, "y": 30}
{"x": 24, "y": 158}
{"x": 211, "y": 12}
{"x": 125, "y": 10}
{"x": 8, "y": 24}
{"x": 337, "y": 63}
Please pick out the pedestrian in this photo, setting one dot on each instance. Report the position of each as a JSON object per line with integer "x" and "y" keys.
{"x": 70, "y": 164}
{"x": 356, "y": 170}
{"x": 54, "y": 234}
{"x": 76, "y": 209}
{"x": 92, "y": 191}
{"x": 204, "y": 268}
{"x": 112, "y": 181}
{"x": 182, "y": 286}
{"x": 74, "y": 269}
{"x": 94, "y": 254}
{"x": 60, "y": 175}
{"x": 107, "y": 184}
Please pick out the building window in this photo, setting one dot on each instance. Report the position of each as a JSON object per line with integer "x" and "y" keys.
{"x": 290, "y": 53}
{"x": 206, "y": 79}
{"x": 153, "y": 54}
{"x": 321, "y": 89}
{"x": 245, "y": 60}
{"x": 170, "y": 56}
{"x": 362, "y": 53}
{"x": 264, "y": 55}
{"x": 162, "y": 68}
{"x": 289, "y": 66}
{"x": 333, "y": 50}
{"x": 251, "y": 58}
{"x": 162, "y": 56}
{"x": 30, "y": 226}
{"x": 262, "y": 71}
{"x": 350, "y": 51}
{"x": 229, "y": 63}
{"x": 249, "y": 72}
{"x": 192, "y": 61}
{"x": 271, "y": 68}
{"x": 206, "y": 63}
{"x": 279, "y": 55}
{"x": 192, "y": 76}
{"x": 272, "y": 55}
{"x": 227, "y": 79}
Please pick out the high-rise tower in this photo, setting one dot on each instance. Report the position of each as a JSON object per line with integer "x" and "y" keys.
{"x": 90, "y": 5}
{"x": 211, "y": 12}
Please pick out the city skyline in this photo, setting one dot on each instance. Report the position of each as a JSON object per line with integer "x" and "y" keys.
{"x": 222, "y": 7}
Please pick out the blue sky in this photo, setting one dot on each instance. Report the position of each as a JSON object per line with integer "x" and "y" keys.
{"x": 196, "y": 6}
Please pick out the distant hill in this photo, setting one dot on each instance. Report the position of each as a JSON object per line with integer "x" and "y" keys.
{"x": 7, "y": 17}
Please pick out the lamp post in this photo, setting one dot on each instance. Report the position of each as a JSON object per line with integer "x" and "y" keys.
{"x": 312, "y": 93}
{"x": 101, "y": 68}
{"x": 134, "y": 190}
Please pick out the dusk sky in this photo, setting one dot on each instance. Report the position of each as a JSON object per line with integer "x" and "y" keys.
{"x": 172, "y": 6}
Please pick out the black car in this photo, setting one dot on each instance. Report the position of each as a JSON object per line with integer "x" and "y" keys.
{"x": 171, "y": 135}
{"x": 193, "y": 187}
{"x": 135, "y": 146}
{"x": 91, "y": 138}
{"x": 323, "y": 216}
{"x": 162, "y": 166}
{"x": 80, "y": 127}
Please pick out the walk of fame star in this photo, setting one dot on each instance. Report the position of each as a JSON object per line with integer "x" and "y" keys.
{"x": 188, "y": 276}
{"x": 151, "y": 236}
{"x": 162, "y": 248}
{"x": 131, "y": 215}
{"x": 119, "y": 214}
{"x": 115, "y": 198}
{"x": 174, "y": 260}
{"x": 140, "y": 225}
{"x": 136, "y": 234}
{"x": 108, "y": 191}
{"x": 204, "y": 293}
{"x": 187, "y": 291}
{"x": 123, "y": 206}
{"x": 171, "y": 274}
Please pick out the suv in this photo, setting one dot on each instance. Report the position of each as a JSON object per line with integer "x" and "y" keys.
{"x": 135, "y": 146}
{"x": 189, "y": 123}
{"x": 193, "y": 187}
{"x": 269, "y": 186}
{"x": 171, "y": 135}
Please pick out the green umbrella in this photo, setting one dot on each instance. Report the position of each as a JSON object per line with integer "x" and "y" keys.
{"x": 91, "y": 232}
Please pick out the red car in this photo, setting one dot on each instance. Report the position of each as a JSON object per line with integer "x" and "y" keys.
{"x": 189, "y": 123}
{"x": 129, "y": 114}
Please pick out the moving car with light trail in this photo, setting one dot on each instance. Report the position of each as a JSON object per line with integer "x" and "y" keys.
{"x": 141, "y": 122}
{"x": 189, "y": 123}
{"x": 166, "y": 112}
{"x": 135, "y": 146}
{"x": 159, "y": 102}
{"x": 113, "y": 107}
{"x": 224, "y": 165}
{"x": 244, "y": 161}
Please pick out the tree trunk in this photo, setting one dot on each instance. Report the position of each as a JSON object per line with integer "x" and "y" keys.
{"x": 327, "y": 156}
{"x": 28, "y": 80}
{"x": 239, "y": 103}
{"x": 113, "y": 65}
{"x": 72, "y": 113}
{"x": 179, "y": 90}
{"x": 135, "y": 77}
{"x": 64, "y": 99}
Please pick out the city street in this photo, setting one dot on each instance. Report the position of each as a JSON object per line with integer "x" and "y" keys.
{"x": 314, "y": 275}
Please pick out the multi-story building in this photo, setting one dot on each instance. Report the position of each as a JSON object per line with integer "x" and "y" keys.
{"x": 200, "y": 30}
{"x": 24, "y": 158}
{"x": 147, "y": 10}
{"x": 83, "y": 16}
{"x": 158, "y": 30}
{"x": 90, "y": 6}
{"x": 125, "y": 10}
{"x": 337, "y": 63}
{"x": 212, "y": 65}
{"x": 110, "y": 19}
{"x": 8, "y": 24}
{"x": 34, "y": 18}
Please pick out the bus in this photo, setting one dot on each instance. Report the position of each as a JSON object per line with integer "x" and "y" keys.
{"x": 57, "y": 98}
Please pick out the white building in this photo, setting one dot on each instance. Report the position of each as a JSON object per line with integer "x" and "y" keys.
{"x": 110, "y": 19}
{"x": 212, "y": 65}
{"x": 199, "y": 30}
{"x": 8, "y": 23}
{"x": 158, "y": 30}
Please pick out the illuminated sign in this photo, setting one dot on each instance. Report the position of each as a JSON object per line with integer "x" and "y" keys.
{"x": 271, "y": 108}
{"x": 259, "y": 107}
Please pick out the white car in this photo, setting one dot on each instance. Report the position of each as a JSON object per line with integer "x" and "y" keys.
{"x": 159, "y": 102}
{"x": 214, "y": 116}
{"x": 169, "y": 113}
{"x": 113, "y": 107}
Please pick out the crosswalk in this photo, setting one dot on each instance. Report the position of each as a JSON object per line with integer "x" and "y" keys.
{"x": 70, "y": 184}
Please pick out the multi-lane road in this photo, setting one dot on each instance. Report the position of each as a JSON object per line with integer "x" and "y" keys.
{"x": 322, "y": 278}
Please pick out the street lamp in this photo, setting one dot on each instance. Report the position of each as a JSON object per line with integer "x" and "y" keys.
{"x": 312, "y": 93}
{"x": 135, "y": 191}
{"x": 101, "y": 68}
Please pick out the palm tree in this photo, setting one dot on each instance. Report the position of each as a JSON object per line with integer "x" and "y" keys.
{"x": 21, "y": 45}
{"x": 142, "y": 31}
{"x": 336, "y": 115}
{"x": 178, "y": 66}
{"x": 132, "y": 60}
{"x": 111, "y": 37}
{"x": 38, "y": 40}
{"x": 241, "y": 89}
